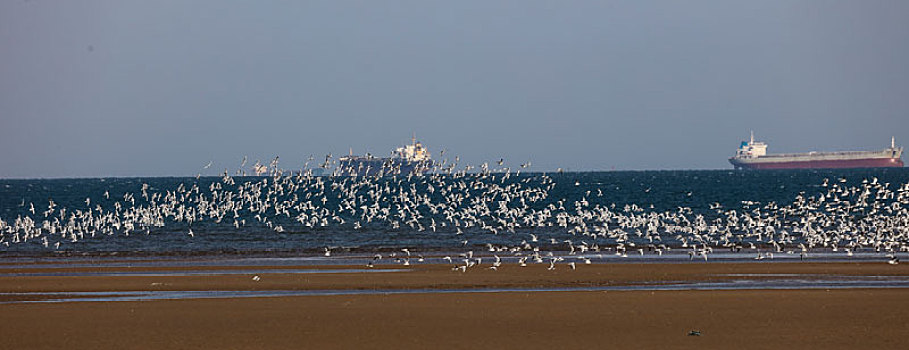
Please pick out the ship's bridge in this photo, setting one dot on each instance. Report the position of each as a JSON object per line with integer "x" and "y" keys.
{"x": 413, "y": 152}
{"x": 751, "y": 149}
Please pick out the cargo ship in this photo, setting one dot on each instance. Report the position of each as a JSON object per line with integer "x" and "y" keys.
{"x": 753, "y": 155}
{"x": 412, "y": 159}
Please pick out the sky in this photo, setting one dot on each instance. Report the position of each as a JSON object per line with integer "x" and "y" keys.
{"x": 161, "y": 88}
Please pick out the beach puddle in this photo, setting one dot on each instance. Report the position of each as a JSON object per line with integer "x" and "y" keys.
{"x": 832, "y": 282}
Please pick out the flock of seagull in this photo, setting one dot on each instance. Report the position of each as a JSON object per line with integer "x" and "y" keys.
{"x": 499, "y": 203}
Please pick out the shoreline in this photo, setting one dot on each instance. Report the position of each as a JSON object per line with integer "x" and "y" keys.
{"x": 200, "y": 277}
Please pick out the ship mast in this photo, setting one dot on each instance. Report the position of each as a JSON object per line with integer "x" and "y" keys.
{"x": 752, "y": 137}
{"x": 892, "y": 141}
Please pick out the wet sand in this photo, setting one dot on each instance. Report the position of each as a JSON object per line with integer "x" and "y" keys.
{"x": 758, "y": 319}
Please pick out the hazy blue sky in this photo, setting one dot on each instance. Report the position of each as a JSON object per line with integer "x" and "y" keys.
{"x": 124, "y": 88}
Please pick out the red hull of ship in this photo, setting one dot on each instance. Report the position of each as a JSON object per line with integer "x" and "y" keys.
{"x": 825, "y": 164}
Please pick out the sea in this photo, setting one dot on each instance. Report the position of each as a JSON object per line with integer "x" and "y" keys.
{"x": 248, "y": 231}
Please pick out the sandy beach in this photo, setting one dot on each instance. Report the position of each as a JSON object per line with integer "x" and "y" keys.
{"x": 752, "y": 319}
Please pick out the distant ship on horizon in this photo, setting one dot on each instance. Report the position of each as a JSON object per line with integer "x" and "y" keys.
{"x": 753, "y": 155}
{"x": 412, "y": 159}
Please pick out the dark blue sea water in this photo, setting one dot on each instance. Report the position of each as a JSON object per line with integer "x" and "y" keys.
{"x": 493, "y": 202}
